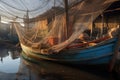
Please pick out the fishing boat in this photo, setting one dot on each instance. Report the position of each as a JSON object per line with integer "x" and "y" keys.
{"x": 99, "y": 54}
{"x": 51, "y": 40}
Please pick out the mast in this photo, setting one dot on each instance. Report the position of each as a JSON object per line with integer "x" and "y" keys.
{"x": 27, "y": 17}
{"x": 66, "y": 16}
{"x": 0, "y": 21}
{"x": 101, "y": 34}
{"x": 26, "y": 20}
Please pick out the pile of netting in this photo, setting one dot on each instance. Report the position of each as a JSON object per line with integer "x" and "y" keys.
{"x": 54, "y": 35}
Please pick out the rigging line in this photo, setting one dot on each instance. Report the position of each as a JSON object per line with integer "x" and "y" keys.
{"x": 6, "y": 11}
{"x": 41, "y": 7}
{"x": 61, "y": 3}
{"x": 74, "y": 3}
{"x": 18, "y": 3}
{"x": 24, "y": 5}
{"x": 5, "y": 15}
{"x": 11, "y": 6}
{"x": 116, "y": 9}
{"x": 88, "y": 13}
{"x": 27, "y": 10}
{"x": 44, "y": 4}
{"x": 10, "y": 13}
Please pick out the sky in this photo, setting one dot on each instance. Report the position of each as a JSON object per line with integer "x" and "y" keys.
{"x": 9, "y": 9}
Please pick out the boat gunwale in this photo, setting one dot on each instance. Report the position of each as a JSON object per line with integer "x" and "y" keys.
{"x": 73, "y": 51}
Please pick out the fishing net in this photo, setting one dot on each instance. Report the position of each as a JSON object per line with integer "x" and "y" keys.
{"x": 54, "y": 31}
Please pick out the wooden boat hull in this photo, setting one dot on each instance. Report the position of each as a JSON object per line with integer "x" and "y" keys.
{"x": 101, "y": 54}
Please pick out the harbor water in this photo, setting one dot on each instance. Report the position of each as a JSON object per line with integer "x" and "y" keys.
{"x": 14, "y": 67}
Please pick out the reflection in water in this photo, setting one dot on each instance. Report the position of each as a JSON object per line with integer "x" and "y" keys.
{"x": 45, "y": 70}
{"x": 14, "y": 68}
{"x": 9, "y": 60}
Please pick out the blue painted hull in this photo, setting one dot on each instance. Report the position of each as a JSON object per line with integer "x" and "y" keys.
{"x": 99, "y": 54}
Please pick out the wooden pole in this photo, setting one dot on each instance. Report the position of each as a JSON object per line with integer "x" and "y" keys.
{"x": 54, "y": 9}
{"x": 92, "y": 22}
{"x": 101, "y": 32}
{"x": 116, "y": 52}
{"x": 26, "y": 20}
{"x": 66, "y": 15}
{"x": 27, "y": 16}
{"x": 0, "y": 21}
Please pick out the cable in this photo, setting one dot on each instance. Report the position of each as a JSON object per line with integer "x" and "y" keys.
{"x": 24, "y": 5}
{"x": 44, "y": 4}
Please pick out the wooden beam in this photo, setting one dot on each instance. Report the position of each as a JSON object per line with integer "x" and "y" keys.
{"x": 66, "y": 15}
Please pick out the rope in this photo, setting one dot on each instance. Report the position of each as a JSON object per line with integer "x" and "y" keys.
{"x": 44, "y": 4}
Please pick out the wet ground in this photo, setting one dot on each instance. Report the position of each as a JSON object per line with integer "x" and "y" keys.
{"x": 14, "y": 67}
